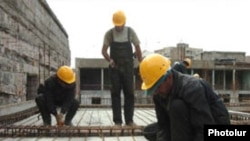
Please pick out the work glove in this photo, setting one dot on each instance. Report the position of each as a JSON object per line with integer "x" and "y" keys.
{"x": 60, "y": 119}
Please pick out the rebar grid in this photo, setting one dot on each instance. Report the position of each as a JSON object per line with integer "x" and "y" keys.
{"x": 68, "y": 131}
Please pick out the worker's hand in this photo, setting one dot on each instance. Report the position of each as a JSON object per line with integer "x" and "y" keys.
{"x": 112, "y": 63}
{"x": 60, "y": 119}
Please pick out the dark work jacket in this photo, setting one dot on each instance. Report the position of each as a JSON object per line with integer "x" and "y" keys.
{"x": 219, "y": 110}
{"x": 188, "y": 89}
{"x": 58, "y": 96}
{"x": 180, "y": 67}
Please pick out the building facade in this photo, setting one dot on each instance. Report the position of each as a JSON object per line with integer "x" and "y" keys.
{"x": 227, "y": 72}
{"x": 181, "y": 51}
{"x": 33, "y": 44}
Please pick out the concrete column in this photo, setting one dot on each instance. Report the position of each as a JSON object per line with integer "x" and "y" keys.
{"x": 224, "y": 80}
{"x": 192, "y": 72}
{"x": 234, "y": 97}
{"x": 78, "y": 84}
{"x": 102, "y": 79}
{"x": 213, "y": 77}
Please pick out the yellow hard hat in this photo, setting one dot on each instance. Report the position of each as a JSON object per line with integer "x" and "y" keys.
{"x": 152, "y": 68}
{"x": 119, "y": 18}
{"x": 188, "y": 62}
{"x": 66, "y": 74}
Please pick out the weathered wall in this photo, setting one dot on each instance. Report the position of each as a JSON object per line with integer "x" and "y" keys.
{"x": 33, "y": 44}
{"x": 213, "y": 55}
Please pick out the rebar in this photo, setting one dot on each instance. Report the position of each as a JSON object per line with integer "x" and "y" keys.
{"x": 68, "y": 131}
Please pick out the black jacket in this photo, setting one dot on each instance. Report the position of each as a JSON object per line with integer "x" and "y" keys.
{"x": 188, "y": 89}
{"x": 58, "y": 96}
{"x": 180, "y": 67}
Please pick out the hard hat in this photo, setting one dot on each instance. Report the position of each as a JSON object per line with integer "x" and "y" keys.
{"x": 196, "y": 75}
{"x": 152, "y": 68}
{"x": 66, "y": 74}
{"x": 119, "y": 18}
{"x": 188, "y": 62}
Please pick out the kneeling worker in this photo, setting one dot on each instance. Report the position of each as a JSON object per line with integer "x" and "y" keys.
{"x": 58, "y": 92}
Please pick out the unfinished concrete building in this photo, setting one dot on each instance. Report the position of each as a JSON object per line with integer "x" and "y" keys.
{"x": 227, "y": 72}
{"x": 181, "y": 51}
{"x": 33, "y": 44}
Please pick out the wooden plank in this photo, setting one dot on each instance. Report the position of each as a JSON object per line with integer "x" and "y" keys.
{"x": 79, "y": 117}
{"x": 32, "y": 120}
{"x": 47, "y": 139}
{"x": 109, "y": 116}
{"x": 145, "y": 117}
{"x": 28, "y": 139}
{"x": 10, "y": 139}
{"x": 86, "y": 119}
{"x": 104, "y": 116}
{"x": 95, "y": 117}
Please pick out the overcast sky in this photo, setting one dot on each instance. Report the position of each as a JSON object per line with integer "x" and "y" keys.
{"x": 213, "y": 25}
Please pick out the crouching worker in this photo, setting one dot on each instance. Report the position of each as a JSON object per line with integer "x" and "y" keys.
{"x": 182, "y": 66}
{"x": 180, "y": 102}
{"x": 58, "y": 92}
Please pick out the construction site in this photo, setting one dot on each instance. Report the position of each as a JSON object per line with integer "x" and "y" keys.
{"x": 33, "y": 44}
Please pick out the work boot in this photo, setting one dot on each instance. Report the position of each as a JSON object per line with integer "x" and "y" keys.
{"x": 68, "y": 124}
{"x": 46, "y": 124}
{"x": 131, "y": 124}
{"x": 117, "y": 125}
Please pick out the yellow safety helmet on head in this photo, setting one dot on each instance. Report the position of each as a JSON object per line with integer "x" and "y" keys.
{"x": 152, "y": 68}
{"x": 119, "y": 18}
{"x": 66, "y": 74}
{"x": 188, "y": 62}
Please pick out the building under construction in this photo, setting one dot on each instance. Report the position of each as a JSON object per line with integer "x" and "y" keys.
{"x": 33, "y": 44}
{"x": 227, "y": 72}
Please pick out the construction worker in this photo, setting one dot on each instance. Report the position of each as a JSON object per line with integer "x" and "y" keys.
{"x": 180, "y": 102}
{"x": 121, "y": 40}
{"x": 58, "y": 92}
{"x": 182, "y": 66}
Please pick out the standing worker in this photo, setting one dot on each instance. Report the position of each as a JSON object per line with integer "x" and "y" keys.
{"x": 58, "y": 92}
{"x": 120, "y": 57}
{"x": 181, "y": 106}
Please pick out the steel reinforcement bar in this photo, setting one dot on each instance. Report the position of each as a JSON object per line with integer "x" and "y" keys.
{"x": 78, "y": 131}
{"x": 68, "y": 131}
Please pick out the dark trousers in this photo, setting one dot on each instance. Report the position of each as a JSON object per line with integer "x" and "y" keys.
{"x": 180, "y": 128}
{"x": 122, "y": 79}
{"x": 46, "y": 115}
